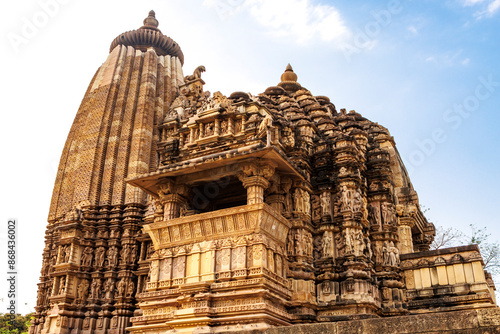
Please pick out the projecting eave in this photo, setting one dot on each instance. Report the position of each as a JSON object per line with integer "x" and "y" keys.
{"x": 216, "y": 166}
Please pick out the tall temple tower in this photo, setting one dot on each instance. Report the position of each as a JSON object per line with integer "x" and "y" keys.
{"x": 94, "y": 240}
{"x": 175, "y": 210}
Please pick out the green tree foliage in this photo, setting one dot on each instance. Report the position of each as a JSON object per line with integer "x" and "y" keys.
{"x": 19, "y": 325}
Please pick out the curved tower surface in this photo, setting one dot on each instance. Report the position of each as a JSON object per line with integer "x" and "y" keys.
{"x": 177, "y": 210}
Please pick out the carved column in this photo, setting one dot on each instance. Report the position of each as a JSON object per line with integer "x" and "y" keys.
{"x": 255, "y": 180}
{"x": 406, "y": 222}
{"x": 172, "y": 197}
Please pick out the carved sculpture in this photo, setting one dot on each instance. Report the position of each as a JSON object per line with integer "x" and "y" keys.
{"x": 62, "y": 285}
{"x": 326, "y": 203}
{"x": 327, "y": 245}
{"x": 120, "y": 287}
{"x": 83, "y": 289}
{"x": 87, "y": 256}
{"x": 95, "y": 289}
{"x": 112, "y": 256}
{"x": 108, "y": 288}
{"x": 196, "y": 74}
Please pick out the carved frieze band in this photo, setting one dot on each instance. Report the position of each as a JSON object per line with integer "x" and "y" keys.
{"x": 257, "y": 218}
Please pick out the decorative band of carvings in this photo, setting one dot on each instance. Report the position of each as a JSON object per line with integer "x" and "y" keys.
{"x": 241, "y": 220}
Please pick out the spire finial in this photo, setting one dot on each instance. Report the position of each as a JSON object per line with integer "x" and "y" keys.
{"x": 289, "y": 75}
{"x": 289, "y": 80}
{"x": 151, "y": 21}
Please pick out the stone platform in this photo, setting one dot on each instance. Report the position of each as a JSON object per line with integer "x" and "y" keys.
{"x": 481, "y": 321}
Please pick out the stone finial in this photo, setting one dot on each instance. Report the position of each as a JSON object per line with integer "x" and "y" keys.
{"x": 289, "y": 75}
{"x": 289, "y": 80}
{"x": 151, "y": 21}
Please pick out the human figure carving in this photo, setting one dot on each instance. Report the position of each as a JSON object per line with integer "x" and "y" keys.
{"x": 385, "y": 254}
{"x": 368, "y": 248}
{"x": 108, "y": 288}
{"x": 297, "y": 196}
{"x": 289, "y": 245}
{"x": 307, "y": 202}
{"x": 112, "y": 256}
{"x": 120, "y": 287}
{"x": 298, "y": 243}
{"x": 349, "y": 242}
{"x": 83, "y": 288}
{"x": 360, "y": 244}
{"x": 308, "y": 244}
{"x": 87, "y": 256}
{"x": 287, "y": 138}
{"x": 125, "y": 254}
{"x": 99, "y": 258}
{"x": 95, "y": 289}
{"x": 326, "y": 203}
{"x": 133, "y": 254}
{"x": 317, "y": 247}
{"x": 327, "y": 245}
{"x": 357, "y": 201}
{"x": 346, "y": 199}
{"x": 130, "y": 289}
{"x": 62, "y": 254}
{"x": 393, "y": 255}
{"x": 374, "y": 213}
{"x": 68, "y": 254}
{"x": 388, "y": 213}
{"x": 62, "y": 285}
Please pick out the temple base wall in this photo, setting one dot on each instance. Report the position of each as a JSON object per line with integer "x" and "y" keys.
{"x": 480, "y": 321}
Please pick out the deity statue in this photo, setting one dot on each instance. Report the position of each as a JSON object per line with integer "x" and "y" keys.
{"x": 327, "y": 245}
{"x": 326, "y": 203}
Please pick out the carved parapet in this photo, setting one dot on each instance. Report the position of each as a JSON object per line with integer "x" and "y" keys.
{"x": 450, "y": 277}
{"x": 237, "y": 221}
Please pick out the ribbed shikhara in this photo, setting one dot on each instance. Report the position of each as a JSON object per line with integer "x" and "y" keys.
{"x": 113, "y": 135}
{"x": 93, "y": 239}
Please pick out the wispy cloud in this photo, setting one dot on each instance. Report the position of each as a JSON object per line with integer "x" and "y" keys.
{"x": 448, "y": 59}
{"x": 413, "y": 30}
{"x": 299, "y": 20}
{"x": 485, "y": 8}
{"x": 471, "y": 2}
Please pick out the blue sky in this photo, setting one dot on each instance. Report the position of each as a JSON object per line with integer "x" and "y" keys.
{"x": 427, "y": 70}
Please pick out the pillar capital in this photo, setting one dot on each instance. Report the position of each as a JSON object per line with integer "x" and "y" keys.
{"x": 255, "y": 178}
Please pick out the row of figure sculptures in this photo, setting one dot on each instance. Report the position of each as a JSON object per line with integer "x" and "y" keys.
{"x": 103, "y": 257}
{"x": 350, "y": 242}
{"x": 349, "y": 200}
{"x": 123, "y": 288}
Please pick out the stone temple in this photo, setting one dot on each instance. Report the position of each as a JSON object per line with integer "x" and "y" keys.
{"x": 179, "y": 211}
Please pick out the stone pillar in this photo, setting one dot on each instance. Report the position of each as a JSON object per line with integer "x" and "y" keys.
{"x": 405, "y": 236}
{"x": 207, "y": 270}
{"x": 172, "y": 197}
{"x": 193, "y": 265}
{"x": 255, "y": 180}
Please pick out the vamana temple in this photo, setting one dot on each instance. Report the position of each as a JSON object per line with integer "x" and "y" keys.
{"x": 176, "y": 210}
